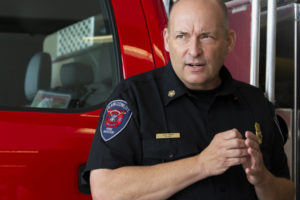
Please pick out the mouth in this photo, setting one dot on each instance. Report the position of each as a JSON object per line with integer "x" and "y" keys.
{"x": 195, "y": 66}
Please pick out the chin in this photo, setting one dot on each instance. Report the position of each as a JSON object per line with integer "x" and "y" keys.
{"x": 194, "y": 79}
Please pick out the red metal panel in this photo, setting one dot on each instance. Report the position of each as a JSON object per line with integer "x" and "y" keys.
{"x": 238, "y": 62}
{"x": 157, "y": 20}
{"x": 134, "y": 40}
{"x": 41, "y": 154}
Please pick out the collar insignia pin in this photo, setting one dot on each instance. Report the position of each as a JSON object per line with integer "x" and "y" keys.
{"x": 258, "y": 132}
{"x": 171, "y": 93}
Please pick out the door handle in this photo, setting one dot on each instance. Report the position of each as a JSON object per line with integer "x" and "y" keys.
{"x": 83, "y": 184}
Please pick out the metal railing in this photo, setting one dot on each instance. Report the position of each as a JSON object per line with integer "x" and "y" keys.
{"x": 255, "y": 40}
{"x": 271, "y": 51}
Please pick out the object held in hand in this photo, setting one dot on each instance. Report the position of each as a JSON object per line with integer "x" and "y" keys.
{"x": 258, "y": 132}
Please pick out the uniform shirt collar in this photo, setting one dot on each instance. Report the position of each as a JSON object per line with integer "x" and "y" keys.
{"x": 228, "y": 84}
{"x": 173, "y": 88}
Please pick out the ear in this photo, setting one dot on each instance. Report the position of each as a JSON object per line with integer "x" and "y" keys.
{"x": 231, "y": 39}
{"x": 166, "y": 39}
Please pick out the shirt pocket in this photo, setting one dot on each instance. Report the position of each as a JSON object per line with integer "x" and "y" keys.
{"x": 164, "y": 150}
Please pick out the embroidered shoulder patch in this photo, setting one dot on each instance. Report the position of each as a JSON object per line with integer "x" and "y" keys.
{"x": 115, "y": 118}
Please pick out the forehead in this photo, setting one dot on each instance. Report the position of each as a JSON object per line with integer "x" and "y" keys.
{"x": 188, "y": 23}
{"x": 196, "y": 14}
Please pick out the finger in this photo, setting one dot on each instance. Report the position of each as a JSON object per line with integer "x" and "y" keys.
{"x": 251, "y": 135}
{"x": 237, "y": 153}
{"x": 235, "y": 161}
{"x": 252, "y": 144}
{"x": 252, "y": 172}
{"x": 235, "y": 144}
{"x": 251, "y": 140}
{"x": 256, "y": 158}
{"x": 231, "y": 134}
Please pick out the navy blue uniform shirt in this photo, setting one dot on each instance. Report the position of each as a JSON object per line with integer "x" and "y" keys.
{"x": 134, "y": 129}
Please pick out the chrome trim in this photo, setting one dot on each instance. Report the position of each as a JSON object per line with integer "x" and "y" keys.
{"x": 255, "y": 40}
{"x": 295, "y": 136}
{"x": 235, "y": 3}
{"x": 271, "y": 49}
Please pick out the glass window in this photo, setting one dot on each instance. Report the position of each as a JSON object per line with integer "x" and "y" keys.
{"x": 56, "y": 55}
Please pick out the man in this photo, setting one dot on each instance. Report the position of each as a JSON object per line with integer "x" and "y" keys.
{"x": 186, "y": 131}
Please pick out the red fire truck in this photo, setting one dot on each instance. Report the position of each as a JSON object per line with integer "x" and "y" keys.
{"x": 60, "y": 60}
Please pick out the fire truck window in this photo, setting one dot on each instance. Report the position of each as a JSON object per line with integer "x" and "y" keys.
{"x": 56, "y": 57}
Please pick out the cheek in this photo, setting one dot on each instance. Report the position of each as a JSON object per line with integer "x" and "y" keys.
{"x": 216, "y": 54}
{"x": 176, "y": 52}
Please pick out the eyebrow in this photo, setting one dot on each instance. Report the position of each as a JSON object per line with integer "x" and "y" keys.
{"x": 181, "y": 32}
{"x": 201, "y": 33}
{"x": 208, "y": 33}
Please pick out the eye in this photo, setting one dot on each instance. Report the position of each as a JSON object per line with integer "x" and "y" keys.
{"x": 180, "y": 36}
{"x": 206, "y": 35}
{"x": 207, "y": 38}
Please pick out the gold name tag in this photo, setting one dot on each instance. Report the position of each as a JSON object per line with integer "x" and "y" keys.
{"x": 167, "y": 135}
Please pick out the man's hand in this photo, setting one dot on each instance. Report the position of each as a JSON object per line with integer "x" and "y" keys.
{"x": 225, "y": 150}
{"x": 254, "y": 166}
{"x": 267, "y": 186}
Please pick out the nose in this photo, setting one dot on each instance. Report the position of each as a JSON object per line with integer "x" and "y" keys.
{"x": 195, "y": 48}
